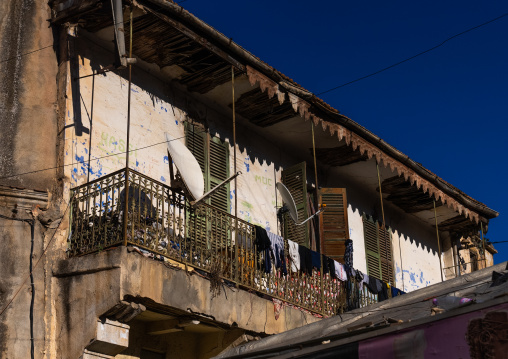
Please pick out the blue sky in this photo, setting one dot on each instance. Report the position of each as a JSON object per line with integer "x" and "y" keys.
{"x": 446, "y": 109}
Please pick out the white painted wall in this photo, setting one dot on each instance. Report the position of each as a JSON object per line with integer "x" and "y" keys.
{"x": 156, "y": 110}
{"x": 153, "y": 112}
{"x": 414, "y": 244}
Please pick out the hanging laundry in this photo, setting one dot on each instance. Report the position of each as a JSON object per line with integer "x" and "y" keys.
{"x": 294, "y": 256}
{"x": 277, "y": 248}
{"x": 372, "y": 284}
{"x": 340, "y": 271}
{"x": 396, "y": 292}
{"x": 316, "y": 260}
{"x": 365, "y": 281}
{"x": 383, "y": 293}
{"x": 305, "y": 260}
{"x": 348, "y": 254}
{"x": 263, "y": 244}
{"x": 328, "y": 266}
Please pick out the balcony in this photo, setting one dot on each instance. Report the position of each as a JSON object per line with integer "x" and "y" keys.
{"x": 161, "y": 222}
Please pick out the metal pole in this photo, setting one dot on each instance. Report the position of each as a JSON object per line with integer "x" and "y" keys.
{"x": 380, "y": 195}
{"x": 316, "y": 201}
{"x": 483, "y": 241}
{"x": 234, "y": 164}
{"x": 125, "y": 216}
{"x": 438, "y": 244}
{"x": 91, "y": 130}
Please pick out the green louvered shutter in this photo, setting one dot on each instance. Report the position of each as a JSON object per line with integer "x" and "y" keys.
{"x": 196, "y": 143}
{"x": 333, "y": 222}
{"x": 218, "y": 172}
{"x": 370, "y": 233}
{"x": 213, "y": 158}
{"x": 295, "y": 179}
{"x": 196, "y": 139}
{"x": 378, "y": 250}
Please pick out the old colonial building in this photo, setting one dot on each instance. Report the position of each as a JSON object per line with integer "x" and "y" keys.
{"x": 117, "y": 116}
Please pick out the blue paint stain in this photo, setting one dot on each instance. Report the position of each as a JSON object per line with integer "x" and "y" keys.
{"x": 267, "y": 227}
{"x": 134, "y": 90}
{"x": 137, "y": 163}
{"x": 166, "y": 159}
{"x": 412, "y": 277}
{"x": 421, "y": 277}
{"x": 142, "y": 125}
{"x": 115, "y": 143}
{"x": 163, "y": 179}
{"x": 230, "y": 195}
{"x": 86, "y": 151}
{"x": 176, "y": 121}
{"x": 68, "y": 113}
{"x": 246, "y": 163}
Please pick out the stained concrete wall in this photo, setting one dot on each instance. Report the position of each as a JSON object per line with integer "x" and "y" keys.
{"x": 28, "y": 118}
{"x": 28, "y": 156}
{"x": 23, "y": 305}
{"x": 86, "y": 287}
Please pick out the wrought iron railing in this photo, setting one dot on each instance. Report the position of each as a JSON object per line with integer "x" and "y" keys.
{"x": 161, "y": 221}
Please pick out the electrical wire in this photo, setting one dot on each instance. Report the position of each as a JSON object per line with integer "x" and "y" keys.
{"x": 96, "y": 158}
{"x": 414, "y": 56}
{"x": 27, "y": 53}
{"x": 38, "y": 260}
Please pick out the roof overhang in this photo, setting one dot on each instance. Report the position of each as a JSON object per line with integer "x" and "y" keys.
{"x": 199, "y": 58}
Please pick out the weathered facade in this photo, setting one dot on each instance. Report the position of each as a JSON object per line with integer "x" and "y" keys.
{"x": 71, "y": 110}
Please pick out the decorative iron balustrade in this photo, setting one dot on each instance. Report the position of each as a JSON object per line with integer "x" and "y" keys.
{"x": 161, "y": 221}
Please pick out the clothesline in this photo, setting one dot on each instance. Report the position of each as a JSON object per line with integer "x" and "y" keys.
{"x": 304, "y": 260}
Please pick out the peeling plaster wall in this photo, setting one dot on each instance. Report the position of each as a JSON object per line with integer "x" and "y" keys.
{"x": 156, "y": 108}
{"x": 88, "y": 286}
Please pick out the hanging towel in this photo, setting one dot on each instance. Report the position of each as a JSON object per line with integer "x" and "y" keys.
{"x": 294, "y": 256}
{"x": 305, "y": 260}
{"x": 365, "y": 281}
{"x": 340, "y": 271}
{"x": 328, "y": 266}
{"x": 277, "y": 247}
{"x": 263, "y": 243}
{"x": 372, "y": 285}
{"x": 316, "y": 260}
{"x": 383, "y": 293}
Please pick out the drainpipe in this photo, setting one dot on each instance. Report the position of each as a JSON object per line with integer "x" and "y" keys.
{"x": 118, "y": 22}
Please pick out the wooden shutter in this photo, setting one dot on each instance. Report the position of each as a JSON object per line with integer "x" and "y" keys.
{"x": 333, "y": 222}
{"x": 295, "y": 179}
{"x": 378, "y": 250}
